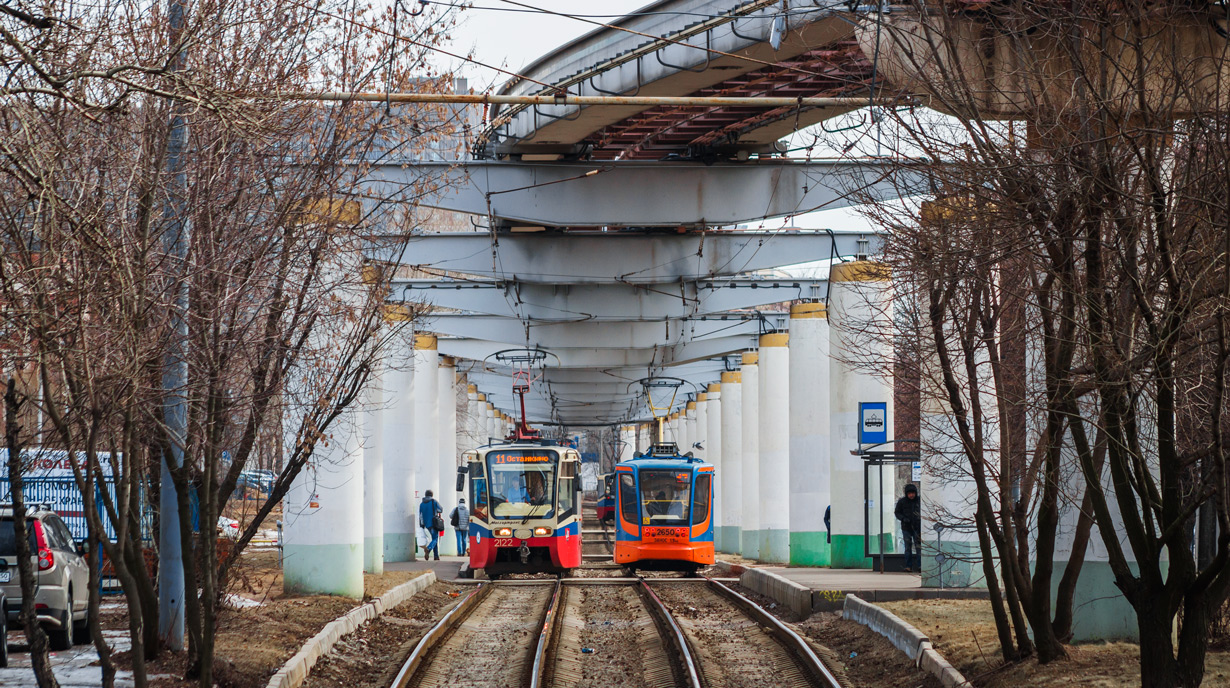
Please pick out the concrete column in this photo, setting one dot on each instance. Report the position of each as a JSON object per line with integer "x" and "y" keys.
{"x": 774, "y": 427}
{"x": 493, "y": 431}
{"x": 809, "y": 434}
{"x": 713, "y": 454}
{"x": 447, "y": 459}
{"x": 750, "y": 467}
{"x": 627, "y": 442}
{"x": 687, "y": 428}
{"x": 323, "y": 533}
{"x": 373, "y": 475}
{"x": 858, "y": 311}
{"x": 471, "y": 438}
{"x": 732, "y": 461}
{"x": 398, "y": 425}
{"x": 700, "y": 426}
{"x": 426, "y": 416}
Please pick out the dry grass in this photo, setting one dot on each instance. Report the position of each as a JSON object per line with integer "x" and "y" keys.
{"x": 964, "y": 632}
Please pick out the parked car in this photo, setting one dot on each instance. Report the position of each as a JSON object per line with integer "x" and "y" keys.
{"x": 61, "y": 597}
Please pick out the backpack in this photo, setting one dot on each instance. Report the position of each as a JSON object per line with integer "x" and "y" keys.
{"x": 452, "y": 519}
{"x": 437, "y": 523}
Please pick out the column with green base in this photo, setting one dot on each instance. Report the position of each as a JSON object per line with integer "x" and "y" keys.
{"x": 809, "y": 434}
{"x": 858, "y": 311}
{"x": 373, "y": 476}
{"x": 446, "y": 389}
{"x": 774, "y": 406}
{"x": 732, "y": 461}
{"x": 322, "y": 550}
{"x": 398, "y": 427}
{"x": 713, "y": 454}
{"x": 750, "y": 532}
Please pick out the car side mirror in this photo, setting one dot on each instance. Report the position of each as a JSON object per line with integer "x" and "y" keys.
{"x": 461, "y": 477}
{"x": 83, "y": 548}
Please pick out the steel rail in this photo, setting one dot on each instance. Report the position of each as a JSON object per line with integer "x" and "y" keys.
{"x": 433, "y": 637}
{"x": 568, "y": 99}
{"x": 545, "y": 637}
{"x": 678, "y": 639}
{"x": 793, "y": 642}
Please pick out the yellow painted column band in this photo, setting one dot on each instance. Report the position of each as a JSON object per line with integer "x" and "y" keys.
{"x": 715, "y": 388}
{"x": 776, "y": 339}
{"x": 731, "y": 377}
{"x": 860, "y": 271}
{"x": 751, "y": 358}
{"x": 425, "y": 342}
{"x": 804, "y": 311}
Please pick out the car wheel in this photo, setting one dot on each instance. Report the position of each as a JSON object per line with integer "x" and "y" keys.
{"x": 81, "y": 630}
{"x": 61, "y": 638}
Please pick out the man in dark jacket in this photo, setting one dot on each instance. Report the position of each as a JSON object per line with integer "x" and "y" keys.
{"x": 910, "y": 515}
{"x": 428, "y": 509}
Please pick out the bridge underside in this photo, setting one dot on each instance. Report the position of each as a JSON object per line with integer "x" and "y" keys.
{"x": 791, "y": 49}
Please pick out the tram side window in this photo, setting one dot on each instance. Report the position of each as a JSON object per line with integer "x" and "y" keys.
{"x": 701, "y": 497}
{"x": 567, "y": 488}
{"x": 478, "y": 497}
{"x": 627, "y": 498}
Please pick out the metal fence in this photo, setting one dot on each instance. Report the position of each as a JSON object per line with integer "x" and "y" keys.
{"x": 64, "y": 497}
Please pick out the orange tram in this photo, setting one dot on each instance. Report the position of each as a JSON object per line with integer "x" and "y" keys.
{"x": 664, "y": 511}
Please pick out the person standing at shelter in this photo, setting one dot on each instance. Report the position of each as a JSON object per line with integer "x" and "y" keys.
{"x": 460, "y": 518}
{"x": 430, "y": 519}
{"x": 909, "y": 513}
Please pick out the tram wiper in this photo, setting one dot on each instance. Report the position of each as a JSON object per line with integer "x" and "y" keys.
{"x": 530, "y": 515}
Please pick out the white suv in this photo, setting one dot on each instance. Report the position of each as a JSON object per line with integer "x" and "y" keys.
{"x": 61, "y": 594}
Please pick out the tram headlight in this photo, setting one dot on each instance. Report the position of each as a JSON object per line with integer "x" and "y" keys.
{"x": 542, "y": 531}
{"x": 503, "y": 532}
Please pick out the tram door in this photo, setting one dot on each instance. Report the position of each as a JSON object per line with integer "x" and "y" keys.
{"x": 884, "y": 482}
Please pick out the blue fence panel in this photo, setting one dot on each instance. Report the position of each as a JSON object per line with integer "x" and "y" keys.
{"x": 64, "y": 497}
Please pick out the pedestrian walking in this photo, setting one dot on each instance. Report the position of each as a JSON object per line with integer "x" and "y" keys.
{"x": 910, "y": 515}
{"x": 431, "y": 520}
{"x": 460, "y": 520}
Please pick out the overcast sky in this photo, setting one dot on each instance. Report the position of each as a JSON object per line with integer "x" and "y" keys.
{"x": 512, "y": 40}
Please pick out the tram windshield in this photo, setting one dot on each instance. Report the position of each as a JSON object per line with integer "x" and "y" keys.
{"x": 522, "y": 483}
{"x": 666, "y": 496}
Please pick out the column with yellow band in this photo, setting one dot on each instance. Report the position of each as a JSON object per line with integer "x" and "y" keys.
{"x": 398, "y": 428}
{"x": 809, "y": 434}
{"x": 713, "y": 452}
{"x": 732, "y": 462}
{"x": 373, "y": 473}
{"x": 426, "y": 418}
{"x": 447, "y": 450}
{"x": 859, "y": 309}
{"x": 774, "y": 454}
{"x": 749, "y": 487}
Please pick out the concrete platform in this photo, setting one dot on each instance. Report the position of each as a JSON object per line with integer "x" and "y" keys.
{"x": 446, "y": 569}
{"x": 808, "y": 590}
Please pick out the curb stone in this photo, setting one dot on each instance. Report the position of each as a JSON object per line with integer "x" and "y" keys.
{"x": 295, "y": 671}
{"x": 904, "y": 637}
{"x": 786, "y": 592}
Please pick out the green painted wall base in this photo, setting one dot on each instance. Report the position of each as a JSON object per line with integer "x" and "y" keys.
{"x": 730, "y": 539}
{"x": 323, "y": 569}
{"x": 775, "y": 546}
{"x": 810, "y": 549}
{"x": 961, "y": 568}
{"x": 1099, "y": 610}
{"x": 398, "y": 547}
{"x": 849, "y": 552}
{"x": 750, "y": 541}
{"x": 373, "y": 554}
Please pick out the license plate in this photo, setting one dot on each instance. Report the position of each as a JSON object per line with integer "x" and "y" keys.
{"x": 505, "y": 542}
{"x": 6, "y": 576}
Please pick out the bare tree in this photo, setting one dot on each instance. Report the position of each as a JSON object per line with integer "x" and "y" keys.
{"x": 1084, "y": 163}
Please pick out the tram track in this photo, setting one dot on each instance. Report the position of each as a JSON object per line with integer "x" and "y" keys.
{"x": 615, "y": 634}
{"x": 494, "y": 638}
{"x": 737, "y": 644}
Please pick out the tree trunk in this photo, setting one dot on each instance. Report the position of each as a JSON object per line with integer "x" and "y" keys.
{"x": 40, "y": 660}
